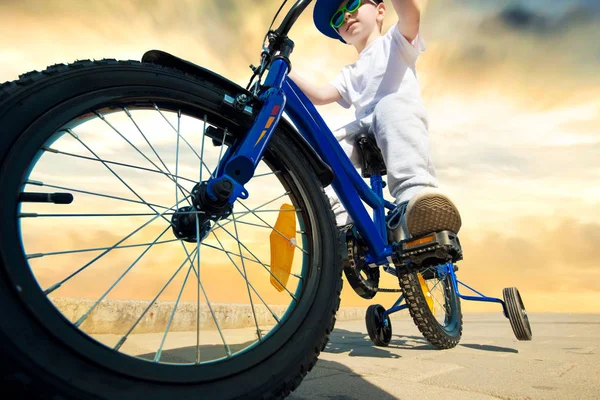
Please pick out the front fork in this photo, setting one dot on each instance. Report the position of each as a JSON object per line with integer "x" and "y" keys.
{"x": 240, "y": 161}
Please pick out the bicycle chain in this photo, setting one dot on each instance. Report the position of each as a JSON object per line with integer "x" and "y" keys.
{"x": 384, "y": 290}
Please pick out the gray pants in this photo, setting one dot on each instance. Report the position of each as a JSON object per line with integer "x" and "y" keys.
{"x": 401, "y": 132}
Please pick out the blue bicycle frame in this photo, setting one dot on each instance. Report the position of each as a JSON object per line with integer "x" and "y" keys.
{"x": 282, "y": 94}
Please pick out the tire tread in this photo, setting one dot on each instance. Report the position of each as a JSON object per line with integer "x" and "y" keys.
{"x": 422, "y": 316}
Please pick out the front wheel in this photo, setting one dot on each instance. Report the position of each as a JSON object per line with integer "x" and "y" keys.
{"x": 434, "y": 306}
{"x": 104, "y": 293}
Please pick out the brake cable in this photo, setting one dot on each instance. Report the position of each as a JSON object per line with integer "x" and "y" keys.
{"x": 258, "y": 71}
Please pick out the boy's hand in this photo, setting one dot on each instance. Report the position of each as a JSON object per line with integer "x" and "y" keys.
{"x": 409, "y": 17}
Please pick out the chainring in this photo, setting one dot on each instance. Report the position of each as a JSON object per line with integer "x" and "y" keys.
{"x": 363, "y": 279}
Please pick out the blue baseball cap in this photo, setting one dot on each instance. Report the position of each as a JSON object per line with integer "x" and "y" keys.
{"x": 322, "y": 14}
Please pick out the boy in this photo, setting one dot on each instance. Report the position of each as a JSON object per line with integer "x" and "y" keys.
{"x": 383, "y": 87}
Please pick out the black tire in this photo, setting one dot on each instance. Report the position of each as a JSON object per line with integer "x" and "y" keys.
{"x": 442, "y": 334}
{"x": 517, "y": 315}
{"x": 378, "y": 327}
{"x": 43, "y": 354}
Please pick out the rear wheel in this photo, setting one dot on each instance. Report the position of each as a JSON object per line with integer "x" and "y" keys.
{"x": 158, "y": 311}
{"x": 434, "y": 306}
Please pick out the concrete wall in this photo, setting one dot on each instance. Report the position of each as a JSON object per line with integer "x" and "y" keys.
{"x": 118, "y": 316}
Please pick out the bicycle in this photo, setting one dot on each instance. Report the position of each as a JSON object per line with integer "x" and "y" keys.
{"x": 51, "y": 121}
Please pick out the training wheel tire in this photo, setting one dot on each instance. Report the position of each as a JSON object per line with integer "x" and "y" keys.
{"x": 379, "y": 328}
{"x": 517, "y": 314}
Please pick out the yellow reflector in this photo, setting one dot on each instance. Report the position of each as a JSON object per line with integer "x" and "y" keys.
{"x": 423, "y": 240}
{"x": 283, "y": 243}
{"x": 426, "y": 293}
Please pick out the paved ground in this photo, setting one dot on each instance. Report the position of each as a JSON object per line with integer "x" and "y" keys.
{"x": 561, "y": 362}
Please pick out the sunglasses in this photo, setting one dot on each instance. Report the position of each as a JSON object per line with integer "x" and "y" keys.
{"x": 351, "y": 5}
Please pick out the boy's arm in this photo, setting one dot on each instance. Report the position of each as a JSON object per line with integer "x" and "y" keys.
{"x": 409, "y": 17}
{"x": 318, "y": 95}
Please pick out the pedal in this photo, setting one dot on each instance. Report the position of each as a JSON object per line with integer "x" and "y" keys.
{"x": 431, "y": 249}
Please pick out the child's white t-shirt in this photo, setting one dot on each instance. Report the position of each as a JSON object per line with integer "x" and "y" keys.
{"x": 385, "y": 66}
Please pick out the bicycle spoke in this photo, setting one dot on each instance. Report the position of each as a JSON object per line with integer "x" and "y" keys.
{"x": 436, "y": 284}
{"x": 231, "y": 252}
{"x": 159, "y": 352}
{"x": 245, "y": 258}
{"x": 263, "y": 226}
{"x": 84, "y": 316}
{"x": 246, "y": 278}
{"x": 275, "y": 230}
{"x": 120, "y": 164}
{"x": 220, "y": 154}
{"x": 177, "y": 157}
{"x": 115, "y": 174}
{"x": 182, "y": 138}
{"x": 267, "y": 174}
{"x": 198, "y": 249}
{"x": 251, "y": 286}
{"x": 248, "y": 212}
{"x": 259, "y": 262}
{"x": 202, "y": 149}
{"x": 99, "y": 115}
{"x": 124, "y": 337}
{"x": 36, "y": 215}
{"x": 201, "y": 287}
{"x": 227, "y": 349}
{"x": 437, "y": 301}
{"x": 253, "y": 224}
{"x": 38, "y": 183}
{"x": 55, "y": 253}
{"x": 59, "y": 284}
{"x": 266, "y": 211}
{"x": 146, "y": 139}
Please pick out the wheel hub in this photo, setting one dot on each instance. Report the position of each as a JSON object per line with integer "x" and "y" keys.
{"x": 192, "y": 222}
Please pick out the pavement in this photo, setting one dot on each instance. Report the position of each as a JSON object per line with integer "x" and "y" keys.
{"x": 561, "y": 362}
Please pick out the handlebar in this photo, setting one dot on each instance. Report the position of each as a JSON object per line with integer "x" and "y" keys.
{"x": 280, "y": 46}
{"x": 291, "y": 17}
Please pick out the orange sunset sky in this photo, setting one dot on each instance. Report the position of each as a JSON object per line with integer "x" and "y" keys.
{"x": 512, "y": 90}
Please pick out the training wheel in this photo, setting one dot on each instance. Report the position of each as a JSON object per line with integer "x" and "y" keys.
{"x": 379, "y": 328}
{"x": 517, "y": 314}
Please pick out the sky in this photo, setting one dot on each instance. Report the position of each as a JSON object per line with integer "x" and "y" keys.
{"x": 513, "y": 95}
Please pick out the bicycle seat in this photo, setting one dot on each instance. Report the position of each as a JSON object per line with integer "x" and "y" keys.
{"x": 371, "y": 159}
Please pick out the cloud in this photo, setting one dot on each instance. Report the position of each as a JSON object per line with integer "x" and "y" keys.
{"x": 525, "y": 19}
{"x": 549, "y": 49}
{"x": 522, "y": 19}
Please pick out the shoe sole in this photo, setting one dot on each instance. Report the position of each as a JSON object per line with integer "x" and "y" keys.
{"x": 433, "y": 213}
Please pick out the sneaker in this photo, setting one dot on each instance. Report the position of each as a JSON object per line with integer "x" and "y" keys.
{"x": 428, "y": 211}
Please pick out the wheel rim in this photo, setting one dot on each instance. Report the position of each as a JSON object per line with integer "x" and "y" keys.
{"x": 386, "y": 325}
{"x": 524, "y": 315}
{"x": 41, "y": 170}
